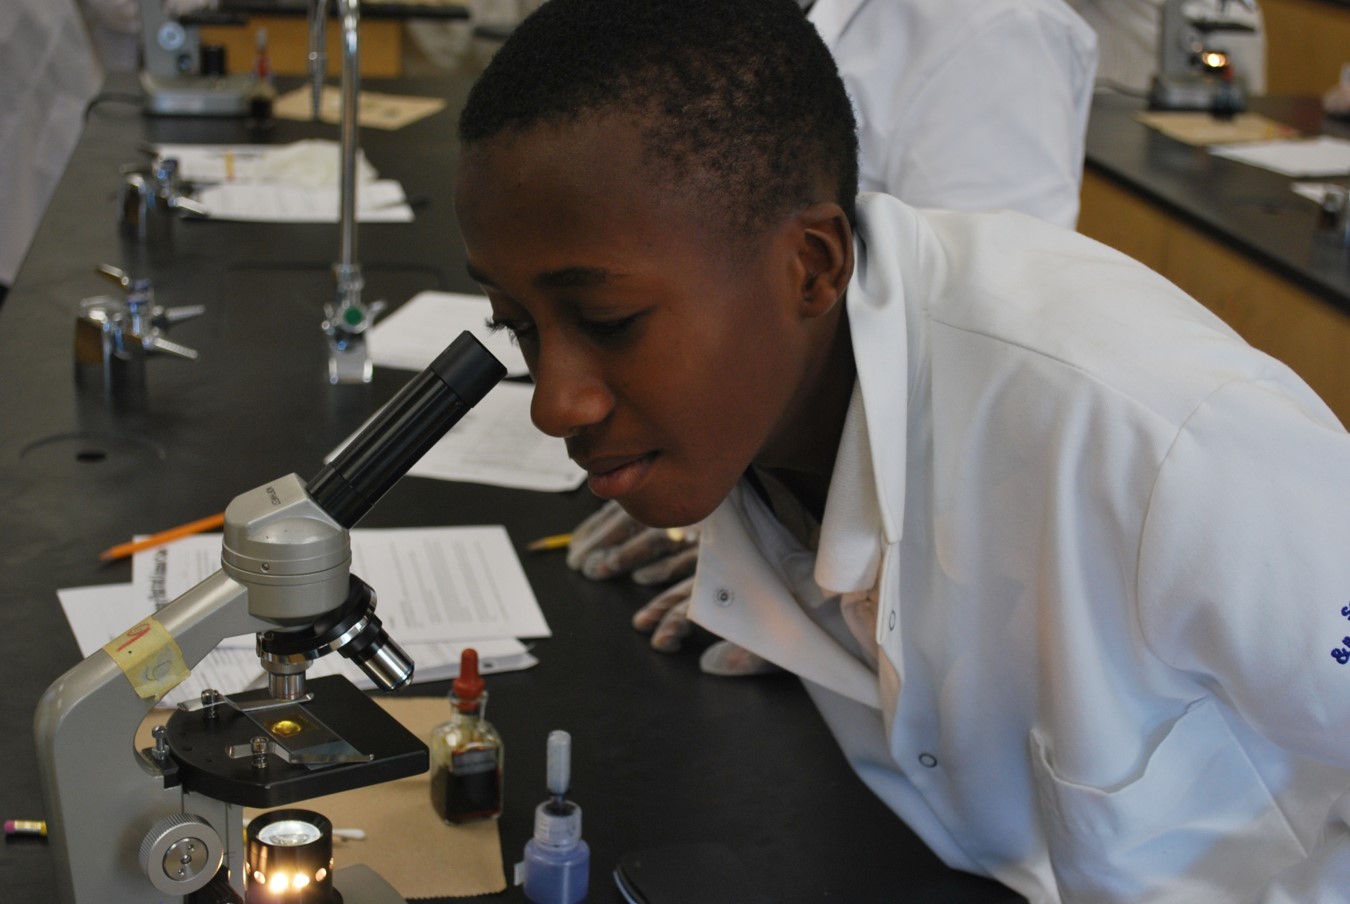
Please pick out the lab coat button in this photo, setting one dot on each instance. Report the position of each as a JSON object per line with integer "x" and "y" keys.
{"x": 890, "y": 621}
{"x": 927, "y": 760}
{"x": 724, "y": 597}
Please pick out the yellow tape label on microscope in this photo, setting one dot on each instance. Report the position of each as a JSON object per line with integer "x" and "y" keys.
{"x": 150, "y": 658}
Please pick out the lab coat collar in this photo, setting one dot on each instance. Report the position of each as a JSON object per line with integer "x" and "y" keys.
{"x": 739, "y": 596}
{"x": 849, "y": 556}
{"x": 831, "y": 17}
{"x": 889, "y": 246}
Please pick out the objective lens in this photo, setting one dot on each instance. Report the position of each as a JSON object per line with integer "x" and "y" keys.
{"x": 383, "y": 660}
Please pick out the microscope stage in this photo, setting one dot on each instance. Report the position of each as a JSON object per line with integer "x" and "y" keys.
{"x": 340, "y": 719}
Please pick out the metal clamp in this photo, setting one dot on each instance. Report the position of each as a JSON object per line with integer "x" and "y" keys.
{"x": 152, "y": 197}
{"x": 115, "y": 334}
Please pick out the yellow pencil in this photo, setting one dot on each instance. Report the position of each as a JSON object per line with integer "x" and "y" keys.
{"x": 543, "y": 544}
{"x": 122, "y": 550}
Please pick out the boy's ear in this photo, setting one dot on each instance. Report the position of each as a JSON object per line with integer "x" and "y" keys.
{"x": 826, "y": 256}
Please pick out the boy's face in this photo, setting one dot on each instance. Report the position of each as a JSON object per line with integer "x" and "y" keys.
{"x": 666, "y": 363}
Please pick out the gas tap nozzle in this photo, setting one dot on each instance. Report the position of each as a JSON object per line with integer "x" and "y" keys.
{"x": 114, "y": 334}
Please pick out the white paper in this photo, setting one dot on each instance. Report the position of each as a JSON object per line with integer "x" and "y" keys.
{"x": 97, "y": 614}
{"x": 376, "y": 202}
{"x": 290, "y": 183}
{"x": 496, "y": 444}
{"x": 1306, "y": 158}
{"x": 434, "y": 584}
{"x": 314, "y": 162}
{"x": 412, "y": 337}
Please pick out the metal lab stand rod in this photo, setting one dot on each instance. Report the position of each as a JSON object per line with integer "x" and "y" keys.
{"x": 346, "y": 318}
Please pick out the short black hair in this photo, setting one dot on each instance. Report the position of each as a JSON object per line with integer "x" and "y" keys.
{"x": 742, "y": 96}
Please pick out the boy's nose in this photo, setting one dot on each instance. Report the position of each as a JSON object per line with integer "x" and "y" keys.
{"x": 569, "y": 394}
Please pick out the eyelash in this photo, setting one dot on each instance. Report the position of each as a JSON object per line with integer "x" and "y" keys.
{"x": 518, "y": 331}
{"x": 600, "y": 329}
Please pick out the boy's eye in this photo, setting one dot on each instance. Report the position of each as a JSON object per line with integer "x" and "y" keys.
{"x": 605, "y": 329}
{"x": 519, "y": 330}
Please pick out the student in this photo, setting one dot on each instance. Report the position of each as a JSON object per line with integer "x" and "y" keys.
{"x": 1061, "y": 560}
{"x": 962, "y": 105}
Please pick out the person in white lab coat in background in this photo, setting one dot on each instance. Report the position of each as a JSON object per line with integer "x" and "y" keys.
{"x": 967, "y": 104}
{"x": 115, "y": 29}
{"x": 962, "y": 105}
{"x": 49, "y": 72}
{"x": 1059, "y": 557}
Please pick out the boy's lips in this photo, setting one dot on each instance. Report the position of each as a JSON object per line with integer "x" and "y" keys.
{"x": 616, "y": 476}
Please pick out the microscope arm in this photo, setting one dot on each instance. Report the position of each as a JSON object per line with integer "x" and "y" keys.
{"x": 101, "y": 793}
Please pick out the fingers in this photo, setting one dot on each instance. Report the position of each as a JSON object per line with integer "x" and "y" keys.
{"x": 649, "y": 546}
{"x": 667, "y": 616}
{"x": 671, "y": 568}
{"x": 606, "y": 526}
{"x": 729, "y": 660}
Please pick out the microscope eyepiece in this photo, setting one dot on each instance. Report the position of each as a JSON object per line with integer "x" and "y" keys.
{"x": 405, "y": 429}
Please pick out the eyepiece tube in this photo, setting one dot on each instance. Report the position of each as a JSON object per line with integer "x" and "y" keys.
{"x": 414, "y": 420}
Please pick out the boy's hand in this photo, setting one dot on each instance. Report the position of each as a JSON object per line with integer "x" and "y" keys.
{"x": 610, "y": 543}
{"x": 667, "y": 618}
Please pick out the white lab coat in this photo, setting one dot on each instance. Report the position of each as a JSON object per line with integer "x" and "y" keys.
{"x": 1100, "y": 549}
{"x": 48, "y": 72}
{"x": 967, "y": 104}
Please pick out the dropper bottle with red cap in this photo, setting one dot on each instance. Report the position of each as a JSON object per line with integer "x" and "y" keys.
{"x": 466, "y": 752}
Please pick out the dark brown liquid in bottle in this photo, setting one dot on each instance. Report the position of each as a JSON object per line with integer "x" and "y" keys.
{"x": 472, "y": 790}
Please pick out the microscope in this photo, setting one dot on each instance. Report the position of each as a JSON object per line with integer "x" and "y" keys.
{"x": 164, "y": 824}
{"x": 1195, "y": 72}
{"x": 177, "y": 77}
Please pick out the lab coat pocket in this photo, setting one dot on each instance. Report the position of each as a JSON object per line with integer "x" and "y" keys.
{"x": 1196, "y": 823}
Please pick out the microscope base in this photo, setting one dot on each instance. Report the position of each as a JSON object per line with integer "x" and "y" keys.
{"x": 359, "y": 884}
{"x": 197, "y": 95}
{"x": 1196, "y": 93}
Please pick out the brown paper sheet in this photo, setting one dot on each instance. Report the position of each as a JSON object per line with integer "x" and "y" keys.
{"x": 374, "y": 110}
{"x": 405, "y": 842}
{"x": 1202, "y": 129}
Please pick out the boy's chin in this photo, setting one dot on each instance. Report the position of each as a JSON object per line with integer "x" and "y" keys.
{"x": 657, "y": 512}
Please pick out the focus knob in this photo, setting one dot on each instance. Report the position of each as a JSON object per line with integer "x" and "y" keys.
{"x": 181, "y": 854}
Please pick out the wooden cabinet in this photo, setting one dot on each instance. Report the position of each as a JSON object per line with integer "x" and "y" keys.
{"x": 288, "y": 45}
{"x": 1282, "y": 319}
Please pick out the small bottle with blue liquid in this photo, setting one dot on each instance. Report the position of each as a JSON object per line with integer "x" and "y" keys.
{"x": 557, "y": 861}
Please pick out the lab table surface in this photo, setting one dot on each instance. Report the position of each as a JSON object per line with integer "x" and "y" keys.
{"x": 663, "y": 754}
{"x": 1252, "y": 210}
